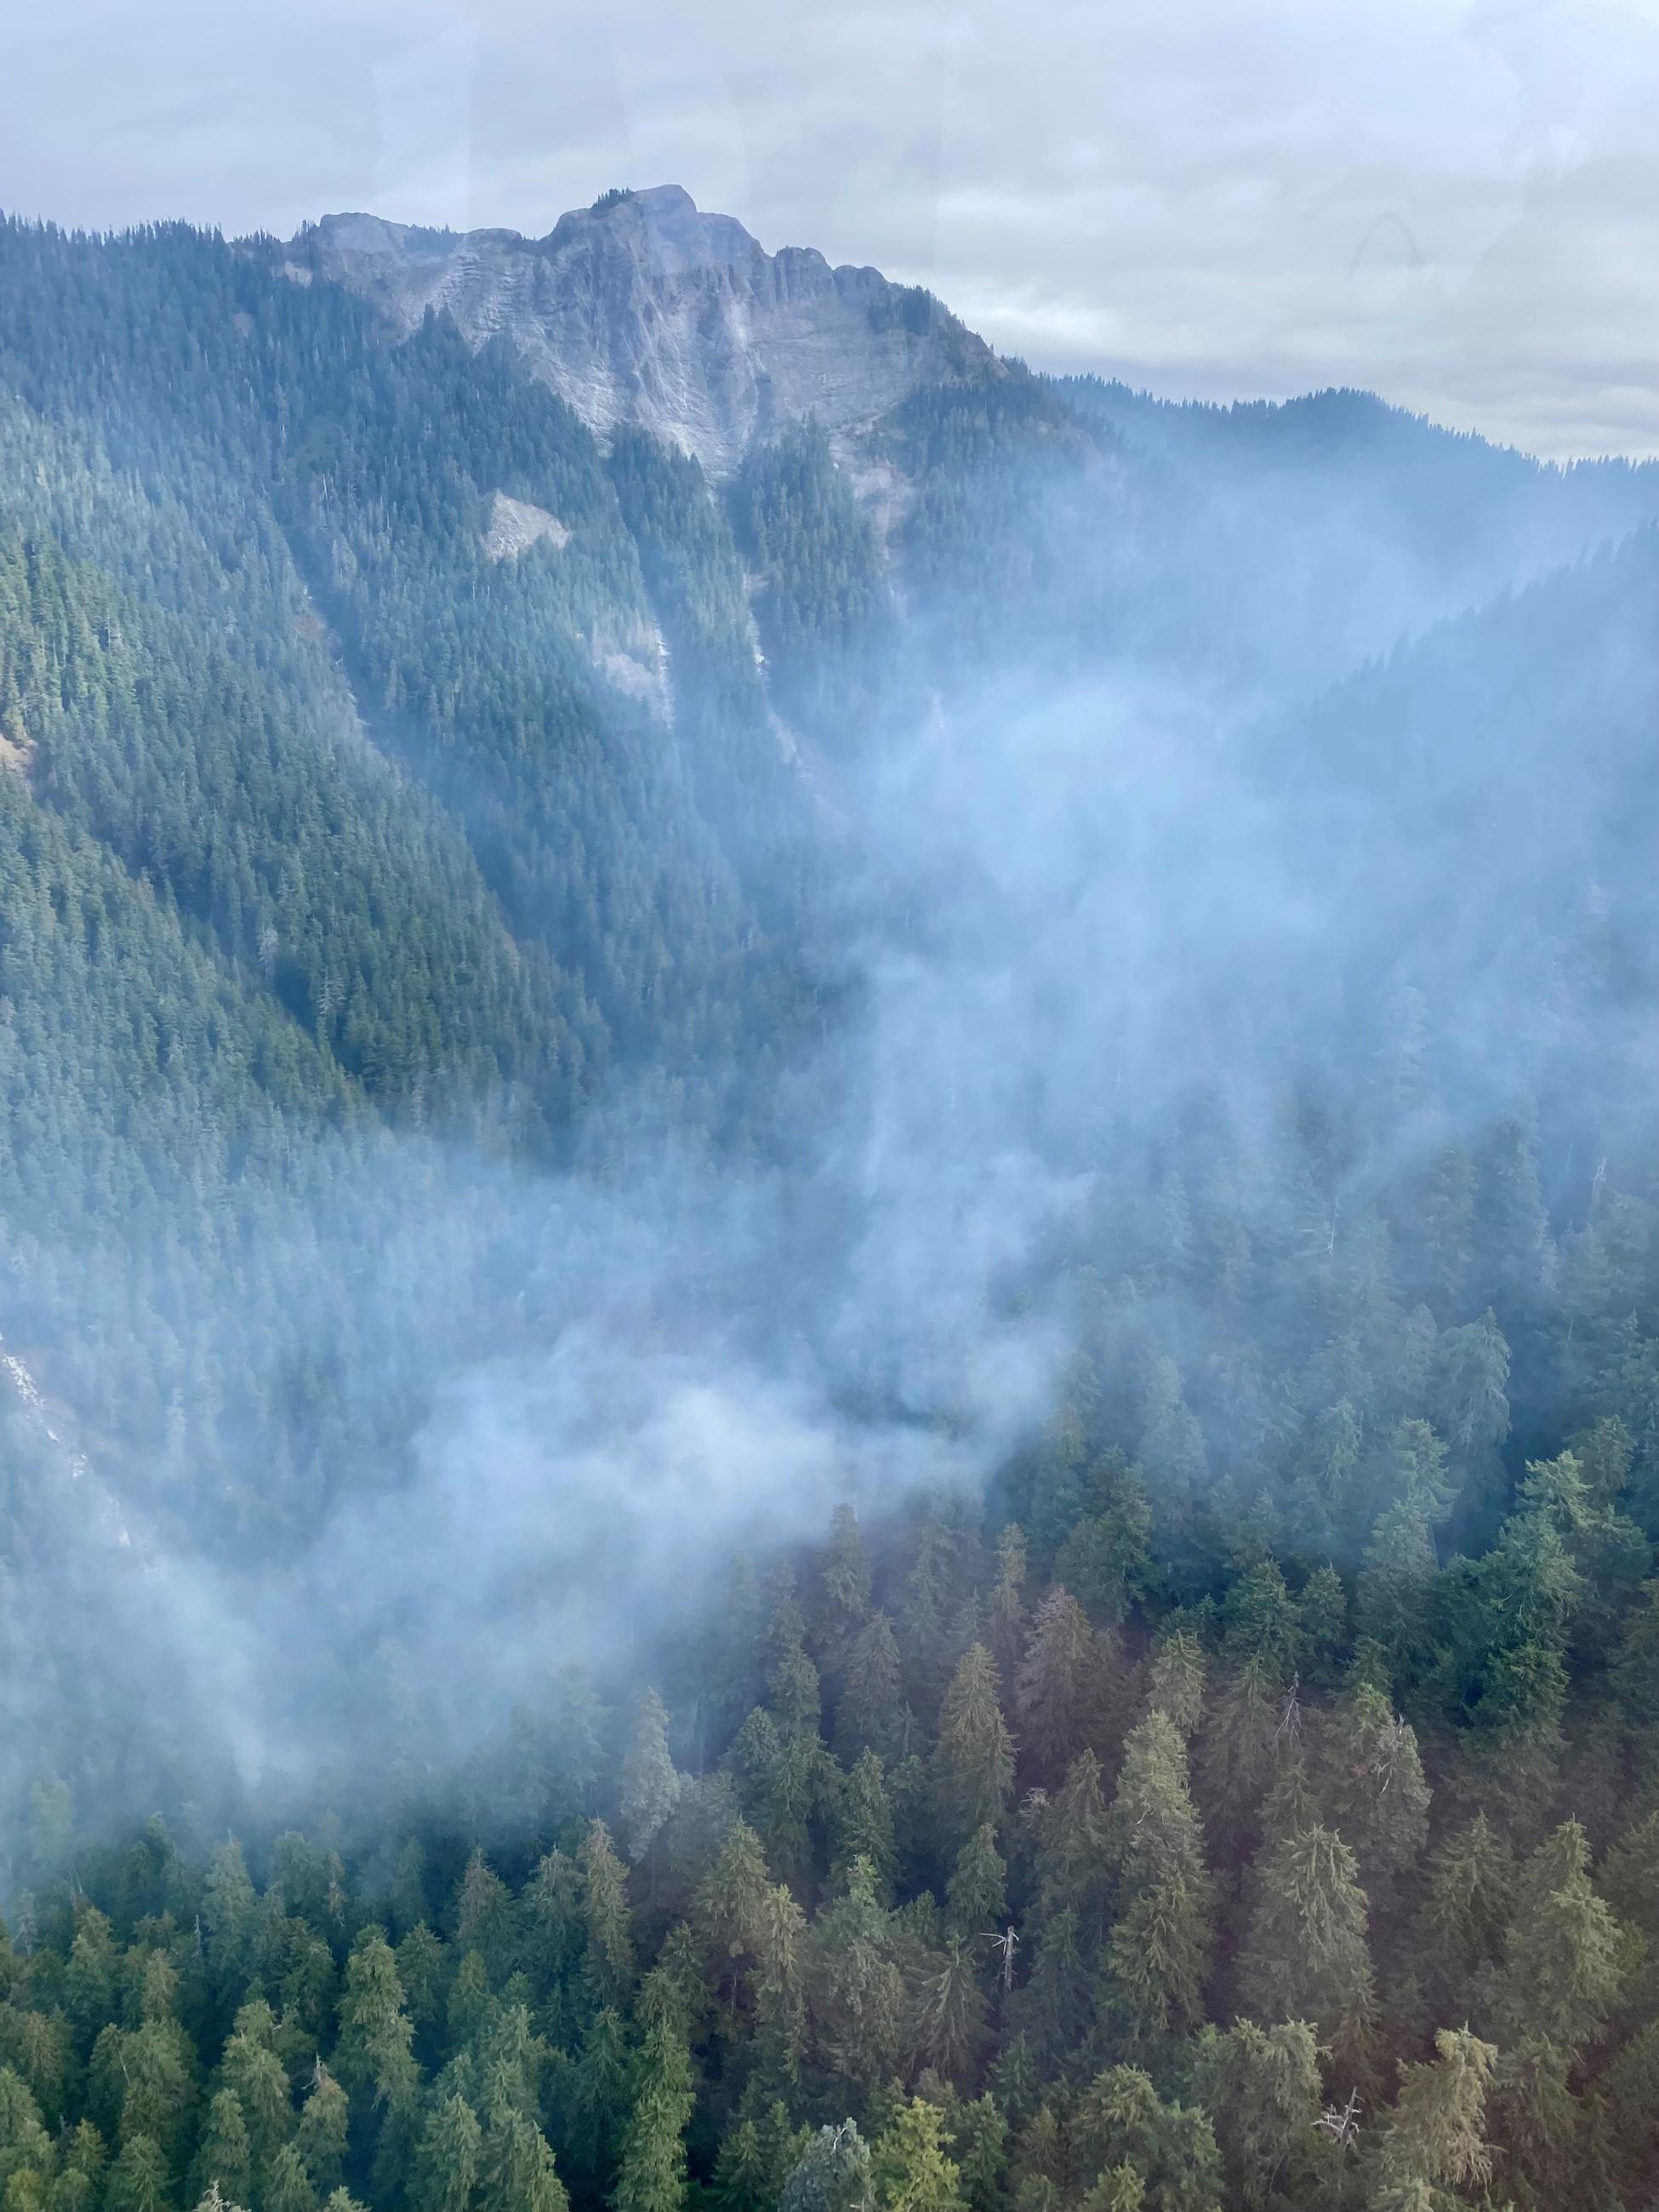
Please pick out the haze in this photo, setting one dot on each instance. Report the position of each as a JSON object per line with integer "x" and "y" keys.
{"x": 1458, "y": 206}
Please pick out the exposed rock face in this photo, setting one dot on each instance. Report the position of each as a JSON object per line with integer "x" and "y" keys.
{"x": 648, "y": 312}
{"x": 516, "y": 524}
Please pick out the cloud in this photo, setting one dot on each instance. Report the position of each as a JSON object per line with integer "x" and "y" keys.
{"x": 1453, "y": 205}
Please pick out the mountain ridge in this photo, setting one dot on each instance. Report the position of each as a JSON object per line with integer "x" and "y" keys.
{"x": 647, "y": 312}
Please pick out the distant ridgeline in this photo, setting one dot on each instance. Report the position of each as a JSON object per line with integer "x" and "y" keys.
{"x": 502, "y": 739}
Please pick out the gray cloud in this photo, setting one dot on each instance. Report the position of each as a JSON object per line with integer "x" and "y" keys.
{"x": 1458, "y": 206}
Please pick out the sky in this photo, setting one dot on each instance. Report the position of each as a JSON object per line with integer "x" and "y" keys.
{"x": 1456, "y": 206}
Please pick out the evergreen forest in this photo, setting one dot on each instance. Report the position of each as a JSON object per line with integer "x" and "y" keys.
{"x": 830, "y": 1316}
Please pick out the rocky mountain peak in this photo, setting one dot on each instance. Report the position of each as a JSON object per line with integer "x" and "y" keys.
{"x": 643, "y": 309}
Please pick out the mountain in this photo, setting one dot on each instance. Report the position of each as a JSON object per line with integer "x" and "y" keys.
{"x": 642, "y": 311}
{"x": 829, "y": 1258}
{"x": 1331, "y": 526}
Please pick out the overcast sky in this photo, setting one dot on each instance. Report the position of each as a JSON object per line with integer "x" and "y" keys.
{"x": 1457, "y": 206}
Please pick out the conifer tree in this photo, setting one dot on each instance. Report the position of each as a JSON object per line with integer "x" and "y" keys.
{"x": 976, "y": 1898}
{"x": 1565, "y": 1955}
{"x": 751, "y": 2165}
{"x": 780, "y": 1988}
{"x": 551, "y": 1927}
{"x": 979, "y": 2145}
{"x": 287, "y": 2184}
{"x": 1006, "y": 1622}
{"x": 1249, "y": 1716}
{"x": 650, "y": 1785}
{"x": 139, "y": 2180}
{"x": 1629, "y": 2116}
{"x": 595, "y": 2101}
{"x": 1043, "y": 2160}
{"x": 1372, "y": 1785}
{"x": 870, "y": 1716}
{"x": 927, "y": 1611}
{"x": 1057, "y": 1485}
{"x": 483, "y": 1915}
{"x": 1634, "y": 1676}
{"x": 446, "y": 2166}
{"x": 1541, "y": 2131}
{"x": 831, "y": 2174}
{"x": 1055, "y": 2007}
{"x": 864, "y": 1822}
{"x": 1072, "y": 1865}
{"x": 1157, "y": 1962}
{"x": 910, "y": 2169}
{"x": 1325, "y": 1479}
{"x": 229, "y": 1914}
{"x": 973, "y": 1760}
{"x": 731, "y": 1667}
{"x": 1176, "y": 1676}
{"x": 608, "y": 1962}
{"x": 516, "y": 2169}
{"x": 1468, "y": 1404}
{"x": 1323, "y": 1624}
{"x": 224, "y": 2158}
{"x": 1052, "y": 1687}
{"x": 374, "y": 2050}
{"x": 845, "y": 1588}
{"x": 1122, "y": 2188}
{"x": 1630, "y": 1877}
{"x": 854, "y": 1988}
{"x": 1261, "y": 2088}
{"x": 1304, "y": 1955}
{"x": 320, "y": 2137}
{"x": 1396, "y": 1579}
{"x": 89, "y": 1977}
{"x": 1467, "y": 1898}
{"x": 1262, "y": 1621}
{"x": 1121, "y": 2122}
{"x": 252, "y": 2071}
{"x": 1159, "y": 1953}
{"x": 652, "y": 2173}
{"x": 1433, "y": 2139}
{"x": 948, "y": 2010}
{"x": 1173, "y": 1456}
{"x": 792, "y": 1688}
{"x": 726, "y": 1910}
{"x": 1105, "y": 1560}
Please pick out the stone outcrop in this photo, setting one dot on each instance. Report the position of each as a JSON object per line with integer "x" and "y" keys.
{"x": 516, "y": 524}
{"x": 643, "y": 310}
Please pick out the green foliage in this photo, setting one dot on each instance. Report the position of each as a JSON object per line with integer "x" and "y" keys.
{"x": 824, "y": 612}
{"x": 1273, "y": 1730}
{"x": 652, "y": 2174}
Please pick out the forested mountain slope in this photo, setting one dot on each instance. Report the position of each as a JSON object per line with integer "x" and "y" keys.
{"x": 1326, "y": 529}
{"x": 833, "y": 1279}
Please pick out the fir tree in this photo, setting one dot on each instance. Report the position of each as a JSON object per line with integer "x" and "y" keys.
{"x": 870, "y": 1715}
{"x": 1565, "y": 1955}
{"x": 910, "y": 2169}
{"x": 447, "y": 2164}
{"x": 1053, "y": 1689}
{"x": 649, "y": 1783}
{"x": 1304, "y": 1955}
{"x": 607, "y": 1963}
{"x": 831, "y": 2174}
{"x": 977, "y": 1897}
{"x": 973, "y": 1761}
{"x": 1434, "y": 2139}
{"x": 652, "y": 2173}
{"x": 864, "y": 1822}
